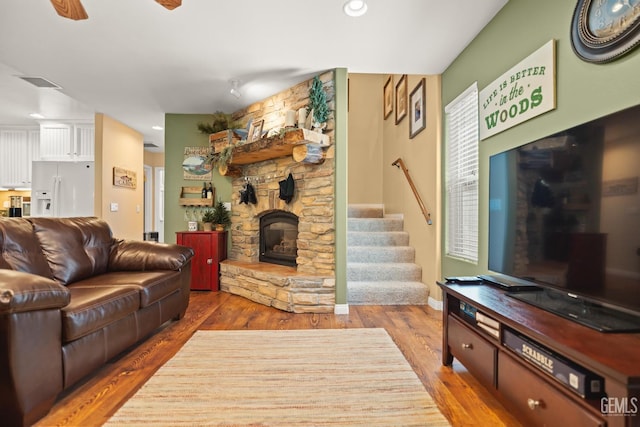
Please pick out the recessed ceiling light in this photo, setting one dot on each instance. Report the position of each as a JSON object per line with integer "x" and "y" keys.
{"x": 36, "y": 115}
{"x": 355, "y": 7}
{"x": 157, "y": 127}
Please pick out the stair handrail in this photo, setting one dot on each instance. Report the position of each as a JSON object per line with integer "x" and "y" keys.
{"x": 399, "y": 163}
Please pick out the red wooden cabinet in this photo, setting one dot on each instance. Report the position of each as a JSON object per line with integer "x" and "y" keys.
{"x": 210, "y": 248}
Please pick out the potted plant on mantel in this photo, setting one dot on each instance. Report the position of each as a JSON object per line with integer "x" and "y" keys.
{"x": 221, "y": 216}
{"x": 208, "y": 218}
{"x": 223, "y": 130}
{"x": 318, "y": 108}
{"x": 219, "y": 121}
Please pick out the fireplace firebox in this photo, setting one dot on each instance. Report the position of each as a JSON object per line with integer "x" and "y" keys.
{"x": 278, "y": 238}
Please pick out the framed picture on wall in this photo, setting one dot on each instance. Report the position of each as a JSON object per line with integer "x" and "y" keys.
{"x": 401, "y": 99}
{"x": 255, "y": 130}
{"x": 417, "y": 110}
{"x": 195, "y": 165}
{"x": 124, "y": 178}
{"x": 387, "y": 96}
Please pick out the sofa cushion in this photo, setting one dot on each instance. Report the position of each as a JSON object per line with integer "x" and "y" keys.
{"x": 152, "y": 285}
{"x": 75, "y": 248}
{"x": 20, "y": 249}
{"x": 92, "y": 308}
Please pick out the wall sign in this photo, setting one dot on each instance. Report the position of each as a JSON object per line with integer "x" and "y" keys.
{"x": 124, "y": 178}
{"x": 195, "y": 165}
{"x": 522, "y": 93}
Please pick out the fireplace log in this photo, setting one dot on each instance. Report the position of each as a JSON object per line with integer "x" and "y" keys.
{"x": 308, "y": 153}
{"x": 230, "y": 170}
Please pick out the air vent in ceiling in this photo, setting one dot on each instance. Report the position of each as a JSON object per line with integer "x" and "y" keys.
{"x": 150, "y": 145}
{"x": 40, "y": 82}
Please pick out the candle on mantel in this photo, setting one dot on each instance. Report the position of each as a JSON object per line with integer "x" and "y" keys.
{"x": 302, "y": 117}
{"x": 290, "y": 120}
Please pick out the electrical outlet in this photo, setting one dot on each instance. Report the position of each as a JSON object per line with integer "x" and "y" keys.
{"x": 114, "y": 207}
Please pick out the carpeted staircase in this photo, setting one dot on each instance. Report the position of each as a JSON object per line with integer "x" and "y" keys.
{"x": 380, "y": 263}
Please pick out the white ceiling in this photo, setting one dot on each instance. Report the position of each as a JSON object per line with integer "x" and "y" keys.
{"x": 135, "y": 60}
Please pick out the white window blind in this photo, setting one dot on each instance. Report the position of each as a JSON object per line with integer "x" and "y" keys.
{"x": 462, "y": 135}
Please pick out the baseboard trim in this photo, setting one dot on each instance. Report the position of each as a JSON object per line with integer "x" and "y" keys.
{"x": 341, "y": 309}
{"x": 435, "y": 304}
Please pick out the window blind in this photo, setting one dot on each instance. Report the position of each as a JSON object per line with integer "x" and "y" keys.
{"x": 462, "y": 137}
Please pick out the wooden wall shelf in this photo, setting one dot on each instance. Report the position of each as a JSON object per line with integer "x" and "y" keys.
{"x": 187, "y": 197}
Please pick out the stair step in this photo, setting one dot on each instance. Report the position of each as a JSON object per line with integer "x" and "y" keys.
{"x": 375, "y": 224}
{"x": 396, "y": 271}
{"x": 365, "y": 211}
{"x": 380, "y": 254}
{"x": 377, "y": 238}
{"x": 387, "y": 293}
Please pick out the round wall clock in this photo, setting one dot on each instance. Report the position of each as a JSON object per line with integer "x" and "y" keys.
{"x": 603, "y": 30}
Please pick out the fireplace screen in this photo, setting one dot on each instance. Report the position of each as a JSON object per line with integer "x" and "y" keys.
{"x": 278, "y": 237}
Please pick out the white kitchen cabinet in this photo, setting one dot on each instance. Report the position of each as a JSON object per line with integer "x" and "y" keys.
{"x": 18, "y": 148}
{"x": 67, "y": 141}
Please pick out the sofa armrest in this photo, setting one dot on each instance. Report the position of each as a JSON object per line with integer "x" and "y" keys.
{"x": 21, "y": 292}
{"x": 134, "y": 255}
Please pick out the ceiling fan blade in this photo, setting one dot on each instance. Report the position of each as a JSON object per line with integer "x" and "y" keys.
{"x": 71, "y": 9}
{"x": 170, "y": 4}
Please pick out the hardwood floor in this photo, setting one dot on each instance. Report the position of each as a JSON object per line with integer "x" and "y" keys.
{"x": 415, "y": 329}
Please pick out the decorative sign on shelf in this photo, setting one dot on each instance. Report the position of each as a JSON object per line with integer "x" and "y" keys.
{"x": 124, "y": 178}
{"x": 522, "y": 93}
{"x": 195, "y": 165}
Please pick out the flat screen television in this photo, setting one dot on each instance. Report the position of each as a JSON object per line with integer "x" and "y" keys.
{"x": 564, "y": 213}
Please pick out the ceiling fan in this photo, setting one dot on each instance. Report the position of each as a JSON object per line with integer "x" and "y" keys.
{"x": 73, "y": 9}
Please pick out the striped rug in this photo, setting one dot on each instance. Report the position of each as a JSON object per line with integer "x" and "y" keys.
{"x": 320, "y": 377}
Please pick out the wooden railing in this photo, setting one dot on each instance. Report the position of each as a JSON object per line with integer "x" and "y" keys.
{"x": 400, "y": 164}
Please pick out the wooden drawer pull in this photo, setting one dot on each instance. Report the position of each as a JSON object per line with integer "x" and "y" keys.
{"x": 533, "y": 403}
{"x": 467, "y": 346}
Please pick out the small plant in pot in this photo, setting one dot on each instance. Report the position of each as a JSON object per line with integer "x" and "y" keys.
{"x": 208, "y": 218}
{"x": 221, "y": 216}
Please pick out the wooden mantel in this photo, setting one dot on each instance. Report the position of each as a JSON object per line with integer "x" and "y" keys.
{"x": 276, "y": 146}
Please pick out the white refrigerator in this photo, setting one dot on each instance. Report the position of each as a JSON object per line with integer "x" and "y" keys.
{"x": 62, "y": 189}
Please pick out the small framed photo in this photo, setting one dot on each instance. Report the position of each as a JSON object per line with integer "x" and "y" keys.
{"x": 417, "y": 113}
{"x": 387, "y": 96}
{"x": 255, "y": 130}
{"x": 401, "y": 99}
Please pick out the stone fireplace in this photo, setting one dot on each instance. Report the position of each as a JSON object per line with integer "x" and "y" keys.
{"x": 278, "y": 238}
{"x": 307, "y": 283}
{"x": 300, "y": 283}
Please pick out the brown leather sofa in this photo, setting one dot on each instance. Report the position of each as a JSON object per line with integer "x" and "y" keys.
{"x": 71, "y": 298}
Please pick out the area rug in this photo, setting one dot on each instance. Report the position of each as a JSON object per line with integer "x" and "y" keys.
{"x": 320, "y": 377}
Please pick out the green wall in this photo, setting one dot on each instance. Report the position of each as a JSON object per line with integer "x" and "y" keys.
{"x": 181, "y": 131}
{"x": 584, "y": 91}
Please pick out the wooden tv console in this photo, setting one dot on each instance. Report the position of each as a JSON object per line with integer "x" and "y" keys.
{"x": 536, "y": 397}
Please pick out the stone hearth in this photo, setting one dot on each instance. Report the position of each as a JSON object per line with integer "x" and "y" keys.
{"x": 279, "y": 286}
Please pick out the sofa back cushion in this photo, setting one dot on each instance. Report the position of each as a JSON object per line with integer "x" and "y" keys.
{"x": 75, "y": 248}
{"x": 20, "y": 249}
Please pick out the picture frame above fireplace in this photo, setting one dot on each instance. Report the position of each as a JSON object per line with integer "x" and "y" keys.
{"x": 255, "y": 130}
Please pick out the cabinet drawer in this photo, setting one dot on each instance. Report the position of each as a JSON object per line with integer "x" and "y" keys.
{"x": 538, "y": 402}
{"x": 476, "y": 354}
